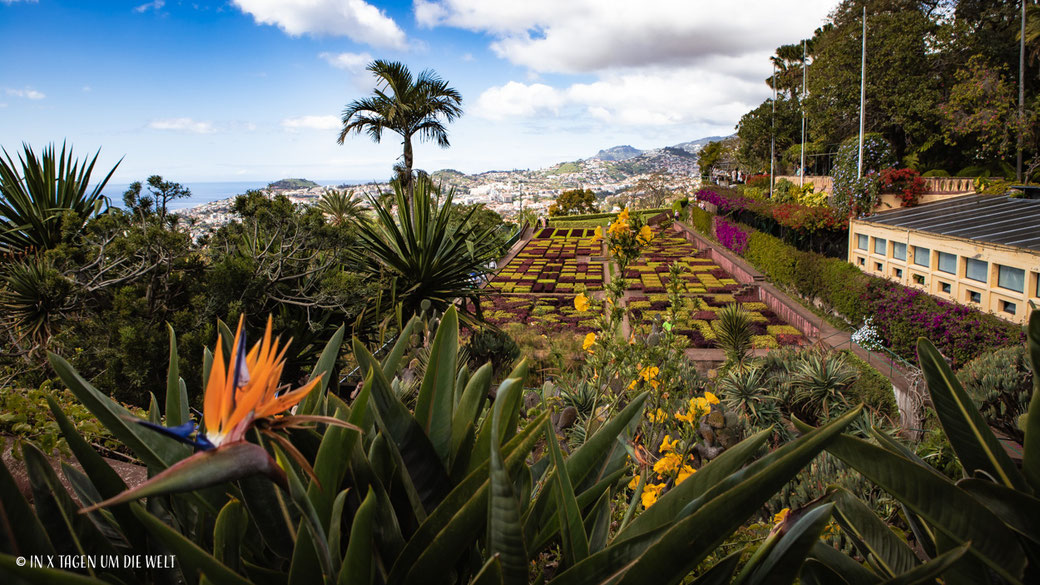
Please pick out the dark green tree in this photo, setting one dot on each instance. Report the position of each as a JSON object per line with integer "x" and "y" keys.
{"x": 574, "y": 202}
{"x": 160, "y": 193}
{"x": 419, "y": 106}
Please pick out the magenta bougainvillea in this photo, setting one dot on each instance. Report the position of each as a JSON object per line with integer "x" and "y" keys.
{"x": 730, "y": 235}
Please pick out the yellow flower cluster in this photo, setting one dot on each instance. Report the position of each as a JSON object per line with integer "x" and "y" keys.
{"x": 668, "y": 444}
{"x": 649, "y": 375}
{"x": 646, "y": 235}
{"x": 698, "y": 407}
{"x": 780, "y": 516}
{"x": 654, "y": 417}
{"x": 581, "y": 302}
{"x": 590, "y": 340}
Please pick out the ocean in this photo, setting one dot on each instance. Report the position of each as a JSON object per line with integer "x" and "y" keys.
{"x": 206, "y": 192}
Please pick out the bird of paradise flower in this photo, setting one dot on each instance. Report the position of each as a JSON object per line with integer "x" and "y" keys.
{"x": 241, "y": 394}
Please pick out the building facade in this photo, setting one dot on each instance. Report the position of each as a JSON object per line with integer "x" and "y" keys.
{"x": 980, "y": 251}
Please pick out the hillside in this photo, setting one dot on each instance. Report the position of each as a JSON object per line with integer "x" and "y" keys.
{"x": 618, "y": 153}
{"x": 292, "y": 184}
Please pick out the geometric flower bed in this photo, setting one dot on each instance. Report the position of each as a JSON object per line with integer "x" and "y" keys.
{"x": 560, "y": 247}
{"x": 547, "y": 314}
{"x": 526, "y": 275}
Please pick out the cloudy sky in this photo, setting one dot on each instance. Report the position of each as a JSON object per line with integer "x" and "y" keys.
{"x": 253, "y": 89}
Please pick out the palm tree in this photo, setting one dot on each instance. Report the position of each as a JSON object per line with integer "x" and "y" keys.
{"x": 342, "y": 206}
{"x": 38, "y": 200}
{"x": 404, "y": 105}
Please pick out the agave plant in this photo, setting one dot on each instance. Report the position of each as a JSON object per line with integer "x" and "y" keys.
{"x": 424, "y": 254}
{"x": 746, "y": 392}
{"x": 47, "y": 190}
{"x": 818, "y": 380}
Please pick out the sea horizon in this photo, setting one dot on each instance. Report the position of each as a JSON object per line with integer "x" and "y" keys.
{"x": 209, "y": 191}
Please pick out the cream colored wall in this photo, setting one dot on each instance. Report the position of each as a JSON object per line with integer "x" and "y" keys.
{"x": 992, "y": 295}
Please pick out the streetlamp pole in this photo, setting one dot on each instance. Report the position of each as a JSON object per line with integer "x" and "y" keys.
{"x": 772, "y": 132}
{"x": 1021, "y": 90}
{"x": 801, "y": 168}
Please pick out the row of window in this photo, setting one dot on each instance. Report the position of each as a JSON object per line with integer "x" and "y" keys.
{"x": 1010, "y": 278}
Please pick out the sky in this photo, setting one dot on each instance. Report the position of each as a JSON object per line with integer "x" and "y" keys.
{"x": 253, "y": 90}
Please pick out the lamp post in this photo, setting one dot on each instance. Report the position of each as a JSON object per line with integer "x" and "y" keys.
{"x": 862, "y": 92}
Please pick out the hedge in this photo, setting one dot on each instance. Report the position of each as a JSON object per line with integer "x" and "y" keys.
{"x": 901, "y": 314}
{"x": 871, "y": 388}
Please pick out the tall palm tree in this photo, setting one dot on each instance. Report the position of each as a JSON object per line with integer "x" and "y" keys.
{"x": 405, "y": 105}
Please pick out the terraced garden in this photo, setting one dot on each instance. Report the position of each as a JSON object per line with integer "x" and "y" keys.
{"x": 537, "y": 287}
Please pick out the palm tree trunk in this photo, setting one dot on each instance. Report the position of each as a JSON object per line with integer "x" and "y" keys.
{"x": 408, "y": 157}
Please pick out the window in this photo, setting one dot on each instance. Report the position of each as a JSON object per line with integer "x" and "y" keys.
{"x": 945, "y": 287}
{"x": 975, "y": 297}
{"x": 976, "y": 269}
{"x": 898, "y": 272}
{"x": 862, "y": 261}
{"x": 879, "y": 266}
{"x": 899, "y": 251}
{"x": 1011, "y": 278}
{"x": 947, "y": 262}
{"x": 1007, "y": 307}
{"x": 922, "y": 256}
{"x": 918, "y": 279}
{"x": 861, "y": 241}
{"x": 879, "y": 246}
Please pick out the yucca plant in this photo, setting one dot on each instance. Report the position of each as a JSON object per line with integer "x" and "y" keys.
{"x": 422, "y": 252}
{"x": 444, "y": 494}
{"x": 733, "y": 330}
{"x": 39, "y": 192}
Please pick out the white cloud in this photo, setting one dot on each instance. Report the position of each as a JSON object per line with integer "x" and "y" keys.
{"x": 312, "y": 123}
{"x": 656, "y": 63}
{"x": 27, "y": 93}
{"x": 352, "y": 62}
{"x": 182, "y": 125}
{"x": 16, "y": 1}
{"x": 355, "y": 19}
{"x": 580, "y": 36}
{"x": 156, "y": 5}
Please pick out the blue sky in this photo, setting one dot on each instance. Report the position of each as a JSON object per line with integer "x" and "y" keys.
{"x": 252, "y": 89}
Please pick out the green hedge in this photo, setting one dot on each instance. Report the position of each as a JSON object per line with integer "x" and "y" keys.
{"x": 871, "y": 388}
{"x": 700, "y": 219}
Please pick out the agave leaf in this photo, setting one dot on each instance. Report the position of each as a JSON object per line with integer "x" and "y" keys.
{"x": 57, "y": 510}
{"x": 392, "y": 362}
{"x": 471, "y": 403}
{"x": 969, "y": 435}
{"x": 490, "y": 573}
{"x": 358, "y": 562}
{"x": 575, "y": 543}
{"x": 104, "y": 479}
{"x": 326, "y": 367}
{"x": 448, "y": 531}
{"x": 176, "y": 404}
{"x": 43, "y": 576}
{"x": 330, "y": 467}
{"x": 508, "y": 396}
{"x": 722, "y": 572}
{"x": 668, "y": 507}
{"x": 939, "y": 502}
{"x": 111, "y": 414}
{"x": 1018, "y": 510}
{"x": 505, "y": 537}
{"x": 726, "y": 507}
{"x": 841, "y": 565}
{"x": 781, "y": 565}
{"x": 190, "y": 558}
{"x": 872, "y": 537}
{"x": 29, "y": 537}
{"x": 927, "y": 572}
{"x": 229, "y": 532}
{"x": 269, "y": 514}
{"x": 1031, "y": 456}
{"x": 588, "y": 463}
{"x": 434, "y": 405}
{"x": 418, "y": 454}
{"x": 597, "y": 523}
{"x": 228, "y": 462}
{"x": 301, "y": 569}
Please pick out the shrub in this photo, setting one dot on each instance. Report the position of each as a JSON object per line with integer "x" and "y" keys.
{"x": 758, "y": 182}
{"x": 701, "y": 220}
{"x": 1000, "y": 383}
{"x": 730, "y": 235}
{"x": 852, "y": 194}
{"x": 906, "y": 183}
{"x": 492, "y": 345}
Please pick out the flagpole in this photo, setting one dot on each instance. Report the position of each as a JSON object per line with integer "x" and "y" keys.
{"x": 862, "y": 92}
{"x": 1021, "y": 90}
{"x": 801, "y": 168}
{"x": 772, "y": 138}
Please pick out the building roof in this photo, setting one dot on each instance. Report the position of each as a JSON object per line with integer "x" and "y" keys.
{"x": 985, "y": 218}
